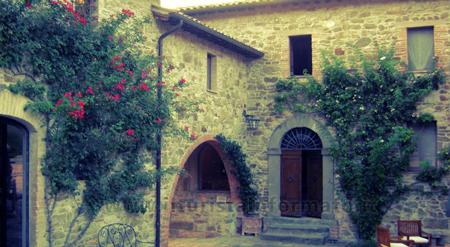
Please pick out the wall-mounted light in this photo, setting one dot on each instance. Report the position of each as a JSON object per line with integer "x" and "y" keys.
{"x": 252, "y": 121}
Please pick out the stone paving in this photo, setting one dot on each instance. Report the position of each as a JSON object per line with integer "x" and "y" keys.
{"x": 232, "y": 241}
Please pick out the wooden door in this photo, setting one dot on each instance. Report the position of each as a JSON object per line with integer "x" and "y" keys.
{"x": 312, "y": 196}
{"x": 291, "y": 183}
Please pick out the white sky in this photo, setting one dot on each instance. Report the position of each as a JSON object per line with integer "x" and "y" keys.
{"x": 184, "y": 3}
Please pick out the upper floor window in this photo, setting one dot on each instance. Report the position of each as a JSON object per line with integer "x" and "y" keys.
{"x": 211, "y": 73}
{"x": 420, "y": 48}
{"x": 301, "y": 54}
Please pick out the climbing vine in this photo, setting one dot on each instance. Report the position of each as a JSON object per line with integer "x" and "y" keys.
{"x": 369, "y": 107}
{"x": 97, "y": 93}
{"x": 247, "y": 190}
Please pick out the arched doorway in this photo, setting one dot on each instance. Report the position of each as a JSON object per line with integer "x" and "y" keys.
{"x": 203, "y": 203}
{"x": 276, "y": 152}
{"x": 14, "y": 196}
{"x": 301, "y": 174}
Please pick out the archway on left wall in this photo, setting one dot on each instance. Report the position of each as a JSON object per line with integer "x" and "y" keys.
{"x": 205, "y": 198}
{"x": 22, "y": 139}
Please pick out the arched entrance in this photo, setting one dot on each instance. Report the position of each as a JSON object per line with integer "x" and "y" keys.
{"x": 204, "y": 201}
{"x": 302, "y": 141}
{"x": 14, "y": 196}
{"x": 301, "y": 174}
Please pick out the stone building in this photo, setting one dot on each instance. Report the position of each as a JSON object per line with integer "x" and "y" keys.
{"x": 232, "y": 55}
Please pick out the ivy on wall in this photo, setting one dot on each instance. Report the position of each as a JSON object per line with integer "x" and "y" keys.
{"x": 97, "y": 92}
{"x": 369, "y": 107}
{"x": 247, "y": 191}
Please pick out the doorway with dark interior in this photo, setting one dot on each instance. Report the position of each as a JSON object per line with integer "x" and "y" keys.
{"x": 13, "y": 183}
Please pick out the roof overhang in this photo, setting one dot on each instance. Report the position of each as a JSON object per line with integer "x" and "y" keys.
{"x": 203, "y": 9}
{"x": 196, "y": 27}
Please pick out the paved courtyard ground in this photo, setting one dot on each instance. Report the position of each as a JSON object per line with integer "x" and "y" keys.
{"x": 233, "y": 241}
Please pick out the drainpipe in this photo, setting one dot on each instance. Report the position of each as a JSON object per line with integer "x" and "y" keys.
{"x": 159, "y": 136}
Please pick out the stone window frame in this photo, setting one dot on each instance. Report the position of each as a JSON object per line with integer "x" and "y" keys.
{"x": 440, "y": 35}
{"x": 285, "y": 55}
{"x": 213, "y": 85}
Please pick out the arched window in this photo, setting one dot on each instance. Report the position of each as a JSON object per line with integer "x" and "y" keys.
{"x": 211, "y": 170}
{"x": 301, "y": 139}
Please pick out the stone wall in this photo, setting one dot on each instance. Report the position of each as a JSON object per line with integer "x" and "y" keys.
{"x": 218, "y": 111}
{"x": 335, "y": 26}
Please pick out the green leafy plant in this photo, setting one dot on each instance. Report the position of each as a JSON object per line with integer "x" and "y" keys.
{"x": 97, "y": 92}
{"x": 369, "y": 108}
{"x": 432, "y": 174}
{"x": 247, "y": 190}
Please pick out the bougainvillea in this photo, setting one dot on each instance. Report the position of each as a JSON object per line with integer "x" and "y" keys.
{"x": 370, "y": 108}
{"x": 97, "y": 92}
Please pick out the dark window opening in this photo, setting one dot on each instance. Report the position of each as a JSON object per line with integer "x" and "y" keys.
{"x": 211, "y": 72}
{"x": 301, "y": 54}
{"x": 212, "y": 174}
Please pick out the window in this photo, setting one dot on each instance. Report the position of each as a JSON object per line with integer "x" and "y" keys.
{"x": 87, "y": 9}
{"x": 426, "y": 144}
{"x": 211, "y": 75}
{"x": 301, "y": 54}
{"x": 212, "y": 174}
{"x": 420, "y": 48}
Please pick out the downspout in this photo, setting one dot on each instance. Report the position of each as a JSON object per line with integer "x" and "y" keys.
{"x": 159, "y": 136}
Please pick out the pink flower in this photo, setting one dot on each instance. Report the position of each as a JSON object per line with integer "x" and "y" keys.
{"x": 81, "y": 104}
{"x": 143, "y": 74}
{"x": 110, "y": 38}
{"x": 90, "y": 91}
{"x": 177, "y": 95}
{"x": 158, "y": 120}
{"x": 144, "y": 87}
{"x": 123, "y": 81}
{"x": 182, "y": 81}
{"x": 79, "y": 95}
{"x": 193, "y": 136}
{"x": 129, "y": 72}
{"x": 28, "y": 4}
{"x": 130, "y": 132}
{"x": 77, "y": 114}
{"x": 82, "y": 20}
{"x": 67, "y": 95}
{"x": 116, "y": 97}
{"x": 59, "y": 102}
{"x": 160, "y": 84}
{"x": 127, "y": 12}
{"x": 120, "y": 87}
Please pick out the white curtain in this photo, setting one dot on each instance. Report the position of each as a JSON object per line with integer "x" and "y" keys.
{"x": 420, "y": 48}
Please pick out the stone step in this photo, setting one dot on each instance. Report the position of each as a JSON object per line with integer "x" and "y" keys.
{"x": 305, "y": 238}
{"x": 297, "y": 228}
{"x": 298, "y": 221}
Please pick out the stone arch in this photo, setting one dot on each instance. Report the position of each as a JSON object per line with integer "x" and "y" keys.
{"x": 230, "y": 171}
{"x": 313, "y": 123}
{"x": 12, "y": 107}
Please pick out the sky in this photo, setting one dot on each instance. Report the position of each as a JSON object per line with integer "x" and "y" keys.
{"x": 184, "y": 3}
